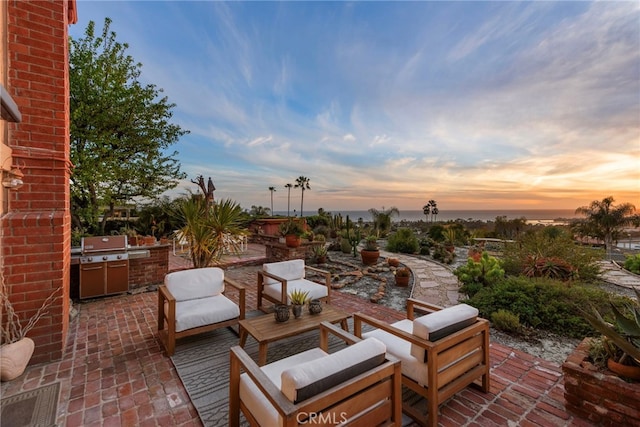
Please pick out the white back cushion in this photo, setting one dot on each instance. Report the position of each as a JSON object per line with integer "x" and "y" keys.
{"x": 288, "y": 270}
{"x": 437, "y": 325}
{"x": 195, "y": 283}
{"x": 310, "y": 378}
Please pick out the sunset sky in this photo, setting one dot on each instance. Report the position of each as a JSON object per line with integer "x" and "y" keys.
{"x": 478, "y": 105}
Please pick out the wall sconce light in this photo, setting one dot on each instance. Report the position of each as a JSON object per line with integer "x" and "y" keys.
{"x": 12, "y": 179}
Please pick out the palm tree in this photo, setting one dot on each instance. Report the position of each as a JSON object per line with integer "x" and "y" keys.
{"x": 434, "y": 206}
{"x": 209, "y": 230}
{"x": 426, "y": 210}
{"x": 604, "y": 220}
{"x": 288, "y": 187}
{"x": 302, "y": 182}
{"x": 272, "y": 189}
{"x": 382, "y": 219}
{"x": 434, "y": 212}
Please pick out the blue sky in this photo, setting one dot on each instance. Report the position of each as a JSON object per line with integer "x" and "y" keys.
{"x": 478, "y": 105}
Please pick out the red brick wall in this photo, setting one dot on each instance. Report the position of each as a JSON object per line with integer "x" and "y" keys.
{"x": 36, "y": 233}
{"x": 149, "y": 271}
{"x": 599, "y": 396}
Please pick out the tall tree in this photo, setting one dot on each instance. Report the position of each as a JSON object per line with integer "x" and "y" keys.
{"x": 272, "y": 190}
{"x": 120, "y": 130}
{"x": 426, "y": 210}
{"x": 434, "y": 207}
{"x": 302, "y": 182}
{"x": 288, "y": 187}
{"x": 604, "y": 220}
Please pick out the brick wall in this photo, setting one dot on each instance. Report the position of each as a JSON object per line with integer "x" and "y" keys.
{"x": 149, "y": 271}
{"x": 36, "y": 232}
{"x": 599, "y": 396}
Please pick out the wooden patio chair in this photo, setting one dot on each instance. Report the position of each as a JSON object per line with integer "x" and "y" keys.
{"x": 441, "y": 353}
{"x": 358, "y": 385}
{"x": 192, "y": 302}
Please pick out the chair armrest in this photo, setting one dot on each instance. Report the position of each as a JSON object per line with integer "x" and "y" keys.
{"x": 283, "y": 289}
{"x": 279, "y": 401}
{"x": 316, "y": 269}
{"x": 165, "y": 294}
{"x": 414, "y": 305}
{"x": 327, "y": 328}
{"x": 360, "y": 318}
{"x": 242, "y": 295}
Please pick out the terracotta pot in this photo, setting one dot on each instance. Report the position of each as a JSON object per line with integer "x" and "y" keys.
{"x": 393, "y": 262}
{"x": 626, "y": 371}
{"x": 402, "y": 281}
{"x": 369, "y": 257}
{"x": 149, "y": 240}
{"x": 14, "y": 358}
{"x": 133, "y": 241}
{"x": 292, "y": 240}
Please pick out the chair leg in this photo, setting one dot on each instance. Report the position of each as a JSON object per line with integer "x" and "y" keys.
{"x": 234, "y": 392}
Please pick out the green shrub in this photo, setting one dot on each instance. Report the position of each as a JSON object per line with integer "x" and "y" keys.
{"x": 545, "y": 304}
{"x": 476, "y": 275}
{"x": 560, "y": 247}
{"x": 505, "y": 320}
{"x": 632, "y": 263}
{"x": 403, "y": 241}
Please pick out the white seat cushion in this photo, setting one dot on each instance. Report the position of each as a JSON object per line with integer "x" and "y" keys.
{"x": 204, "y": 311}
{"x": 412, "y": 367}
{"x": 252, "y": 397}
{"x": 288, "y": 270}
{"x": 195, "y": 283}
{"x": 315, "y": 290}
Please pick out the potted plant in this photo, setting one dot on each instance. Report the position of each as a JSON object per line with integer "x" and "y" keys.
{"x": 298, "y": 298}
{"x": 371, "y": 251}
{"x": 622, "y": 340}
{"x": 319, "y": 253}
{"x": 16, "y": 348}
{"x": 291, "y": 230}
{"x": 402, "y": 276}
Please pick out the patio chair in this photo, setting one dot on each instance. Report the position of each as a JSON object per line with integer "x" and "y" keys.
{"x": 358, "y": 385}
{"x": 441, "y": 353}
{"x": 277, "y": 279}
{"x": 192, "y": 302}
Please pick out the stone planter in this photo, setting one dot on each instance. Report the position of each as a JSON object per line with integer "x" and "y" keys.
{"x": 597, "y": 395}
{"x": 297, "y": 310}
{"x": 14, "y": 358}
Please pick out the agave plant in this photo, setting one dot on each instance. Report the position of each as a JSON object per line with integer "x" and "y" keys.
{"x": 627, "y": 335}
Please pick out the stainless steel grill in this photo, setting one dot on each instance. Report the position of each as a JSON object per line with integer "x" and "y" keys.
{"x": 104, "y": 266}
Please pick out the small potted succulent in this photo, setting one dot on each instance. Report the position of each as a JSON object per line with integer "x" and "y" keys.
{"x": 291, "y": 230}
{"x": 371, "y": 252}
{"x": 319, "y": 253}
{"x": 298, "y": 299}
{"x": 403, "y": 274}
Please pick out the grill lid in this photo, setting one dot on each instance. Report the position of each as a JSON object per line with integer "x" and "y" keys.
{"x": 97, "y": 244}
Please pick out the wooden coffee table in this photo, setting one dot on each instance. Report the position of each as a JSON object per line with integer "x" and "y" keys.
{"x": 265, "y": 329}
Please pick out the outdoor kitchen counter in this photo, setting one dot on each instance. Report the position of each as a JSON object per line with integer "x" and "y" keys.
{"x": 147, "y": 266}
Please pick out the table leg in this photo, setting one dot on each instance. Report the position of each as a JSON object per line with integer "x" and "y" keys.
{"x": 243, "y": 335}
{"x": 262, "y": 354}
{"x": 344, "y": 324}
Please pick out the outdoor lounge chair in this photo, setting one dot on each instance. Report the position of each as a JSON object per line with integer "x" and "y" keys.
{"x": 277, "y": 279}
{"x": 358, "y": 385}
{"x": 441, "y": 353}
{"x": 192, "y": 301}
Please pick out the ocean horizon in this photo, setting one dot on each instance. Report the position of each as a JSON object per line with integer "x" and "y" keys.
{"x": 531, "y": 215}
